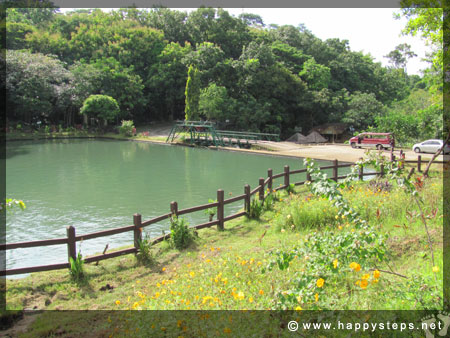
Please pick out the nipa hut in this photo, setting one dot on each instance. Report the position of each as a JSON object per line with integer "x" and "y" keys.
{"x": 297, "y": 138}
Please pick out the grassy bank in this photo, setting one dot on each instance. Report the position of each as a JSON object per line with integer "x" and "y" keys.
{"x": 223, "y": 270}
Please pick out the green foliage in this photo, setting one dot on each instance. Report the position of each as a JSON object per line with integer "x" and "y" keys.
{"x": 270, "y": 198}
{"x": 290, "y": 189}
{"x": 310, "y": 213}
{"x": 211, "y": 212}
{"x": 163, "y": 64}
{"x": 126, "y": 128}
{"x": 144, "y": 254}
{"x": 100, "y": 106}
{"x": 415, "y": 118}
{"x": 214, "y": 102}
{"x": 256, "y": 208}
{"x": 334, "y": 250}
{"x": 400, "y": 55}
{"x": 362, "y": 110}
{"x": 77, "y": 267}
{"x": 36, "y": 84}
{"x": 192, "y": 94}
{"x": 180, "y": 234}
{"x": 316, "y": 75}
{"x": 10, "y": 203}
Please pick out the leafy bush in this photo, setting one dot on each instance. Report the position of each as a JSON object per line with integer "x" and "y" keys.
{"x": 180, "y": 234}
{"x": 100, "y": 106}
{"x": 126, "y": 128}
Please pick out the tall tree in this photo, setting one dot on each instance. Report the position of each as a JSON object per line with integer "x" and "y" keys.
{"x": 400, "y": 55}
{"x": 192, "y": 94}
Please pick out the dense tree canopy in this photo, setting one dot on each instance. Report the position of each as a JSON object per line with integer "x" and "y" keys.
{"x": 163, "y": 64}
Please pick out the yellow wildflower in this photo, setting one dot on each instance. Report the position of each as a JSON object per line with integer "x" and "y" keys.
{"x": 435, "y": 269}
{"x": 320, "y": 282}
{"x": 363, "y": 283}
{"x": 335, "y": 263}
{"x": 117, "y": 302}
{"x": 365, "y": 276}
{"x": 355, "y": 266}
{"x": 316, "y": 296}
{"x": 376, "y": 274}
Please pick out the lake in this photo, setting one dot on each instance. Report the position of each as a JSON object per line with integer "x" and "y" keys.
{"x": 96, "y": 185}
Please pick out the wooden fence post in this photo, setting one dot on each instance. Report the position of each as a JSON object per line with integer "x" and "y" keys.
{"x": 419, "y": 163}
{"x": 261, "y": 189}
{"x": 174, "y": 208}
{"x": 137, "y": 220}
{"x": 335, "y": 170}
{"x": 361, "y": 172}
{"x": 247, "y": 199}
{"x": 269, "y": 174}
{"x": 392, "y": 154}
{"x": 220, "y": 211}
{"x": 286, "y": 175}
{"x": 71, "y": 243}
{"x": 381, "y": 170}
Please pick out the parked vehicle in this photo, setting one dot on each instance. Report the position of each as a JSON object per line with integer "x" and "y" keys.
{"x": 431, "y": 146}
{"x": 373, "y": 140}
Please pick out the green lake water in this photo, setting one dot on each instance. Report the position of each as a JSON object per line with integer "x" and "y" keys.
{"x": 96, "y": 185}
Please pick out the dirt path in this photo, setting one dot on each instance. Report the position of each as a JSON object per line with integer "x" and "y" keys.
{"x": 341, "y": 152}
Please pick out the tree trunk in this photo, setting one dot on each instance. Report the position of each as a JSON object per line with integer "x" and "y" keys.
{"x": 425, "y": 173}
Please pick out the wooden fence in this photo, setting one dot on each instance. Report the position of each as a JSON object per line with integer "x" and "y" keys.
{"x": 72, "y": 238}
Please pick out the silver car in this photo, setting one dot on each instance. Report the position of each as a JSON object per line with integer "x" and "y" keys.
{"x": 430, "y": 146}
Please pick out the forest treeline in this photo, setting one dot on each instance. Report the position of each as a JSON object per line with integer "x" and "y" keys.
{"x": 161, "y": 64}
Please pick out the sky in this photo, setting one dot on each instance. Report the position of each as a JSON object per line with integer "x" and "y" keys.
{"x": 372, "y": 31}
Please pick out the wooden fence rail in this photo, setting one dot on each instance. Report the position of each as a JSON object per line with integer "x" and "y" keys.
{"x": 72, "y": 238}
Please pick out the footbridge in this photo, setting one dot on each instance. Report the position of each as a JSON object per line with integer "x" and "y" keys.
{"x": 205, "y": 133}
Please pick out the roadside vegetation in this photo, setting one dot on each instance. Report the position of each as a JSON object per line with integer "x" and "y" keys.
{"x": 266, "y": 262}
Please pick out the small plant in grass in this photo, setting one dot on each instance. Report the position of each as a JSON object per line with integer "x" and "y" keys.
{"x": 76, "y": 267}
{"x": 126, "y": 128}
{"x": 144, "y": 254}
{"x": 211, "y": 212}
{"x": 180, "y": 234}
{"x": 290, "y": 189}
{"x": 269, "y": 200}
{"x": 256, "y": 208}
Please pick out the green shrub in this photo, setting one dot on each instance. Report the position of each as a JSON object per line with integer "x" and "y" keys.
{"x": 76, "y": 267}
{"x": 144, "y": 254}
{"x": 256, "y": 208}
{"x": 180, "y": 234}
{"x": 126, "y": 128}
{"x": 100, "y": 106}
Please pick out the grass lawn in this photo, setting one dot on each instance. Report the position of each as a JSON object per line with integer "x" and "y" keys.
{"x": 223, "y": 270}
